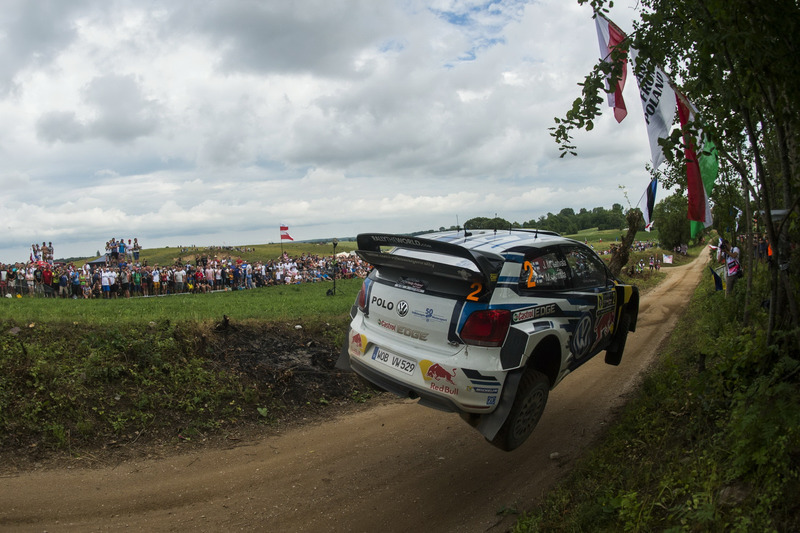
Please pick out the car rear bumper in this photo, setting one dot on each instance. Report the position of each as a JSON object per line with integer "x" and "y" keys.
{"x": 403, "y": 390}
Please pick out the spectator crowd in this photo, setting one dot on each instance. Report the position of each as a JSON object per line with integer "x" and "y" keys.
{"x": 120, "y": 274}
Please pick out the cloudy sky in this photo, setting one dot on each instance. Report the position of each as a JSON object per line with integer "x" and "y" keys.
{"x": 214, "y": 121}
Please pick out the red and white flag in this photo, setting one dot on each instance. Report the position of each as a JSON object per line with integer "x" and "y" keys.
{"x": 610, "y": 36}
{"x": 285, "y": 233}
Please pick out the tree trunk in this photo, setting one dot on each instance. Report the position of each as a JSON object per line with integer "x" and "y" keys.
{"x": 620, "y": 252}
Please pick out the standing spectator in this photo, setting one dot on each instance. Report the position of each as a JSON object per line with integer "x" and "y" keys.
{"x": 136, "y": 279}
{"x": 47, "y": 281}
{"x": 3, "y": 280}
{"x": 180, "y": 279}
{"x": 156, "y": 273}
{"x": 63, "y": 283}
{"x": 125, "y": 282}
{"x": 136, "y": 249}
{"x": 733, "y": 268}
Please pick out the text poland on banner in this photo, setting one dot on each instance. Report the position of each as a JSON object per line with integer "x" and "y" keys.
{"x": 285, "y": 233}
{"x": 609, "y": 37}
{"x": 658, "y": 103}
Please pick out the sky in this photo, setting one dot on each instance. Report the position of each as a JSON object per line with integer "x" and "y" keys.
{"x": 213, "y": 122}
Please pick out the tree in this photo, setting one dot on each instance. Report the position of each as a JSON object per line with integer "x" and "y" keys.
{"x": 735, "y": 61}
{"x": 669, "y": 216}
{"x": 620, "y": 252}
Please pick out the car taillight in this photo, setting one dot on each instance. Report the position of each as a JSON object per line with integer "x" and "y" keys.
{"x": 487, "y": 327}
{"x": 361, "y": 301}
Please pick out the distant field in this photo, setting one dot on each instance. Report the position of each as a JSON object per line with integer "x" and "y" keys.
{"x": 285, "y": 303}
{"x": 256, "y": 252}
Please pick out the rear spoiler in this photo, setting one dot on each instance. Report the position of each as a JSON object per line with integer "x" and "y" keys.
{"x": 369, "y": 249}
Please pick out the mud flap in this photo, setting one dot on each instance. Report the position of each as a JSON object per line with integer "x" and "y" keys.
{"x": 490, "y": 424}
{"x": 343, "y": 363}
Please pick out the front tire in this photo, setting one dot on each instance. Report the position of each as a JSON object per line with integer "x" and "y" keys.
{"x": 527, "y": 409}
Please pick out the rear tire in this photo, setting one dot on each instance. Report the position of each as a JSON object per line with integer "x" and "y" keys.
{"x": 527, "y": 409}
{"x": 614, "y": 351}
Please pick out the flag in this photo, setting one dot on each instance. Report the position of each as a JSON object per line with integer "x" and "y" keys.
{"x": 647, "y": 203}
{"x": 701, "y": 170}
{"x": 610, "y": 36}
{"x": 717, "y": 280}
{"x": 738, "y": 216}
{"x": 285, "y": 233}
{"x": 658, "y": 104}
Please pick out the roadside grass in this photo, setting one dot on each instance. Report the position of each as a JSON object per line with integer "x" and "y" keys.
{"x": 711, "y": 442}
{"x": 279, "y": 303}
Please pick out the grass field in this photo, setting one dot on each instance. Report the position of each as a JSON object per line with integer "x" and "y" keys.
{"x": 282, "y": 303}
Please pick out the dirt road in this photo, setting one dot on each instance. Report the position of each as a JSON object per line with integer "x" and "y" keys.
{"x": 394, "y": 467}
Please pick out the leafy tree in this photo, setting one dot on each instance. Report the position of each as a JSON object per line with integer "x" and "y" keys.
{"x": 736, "y": 62}
{"x": 669, "y": 216}
{"x": 497, "y": 223}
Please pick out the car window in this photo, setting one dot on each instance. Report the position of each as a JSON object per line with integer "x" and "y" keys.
{"x": 587, "y": 269}
{"x": 544, "y": 269}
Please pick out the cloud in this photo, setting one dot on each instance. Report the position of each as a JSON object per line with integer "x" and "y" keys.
{"x": 215, "y": 121}
{"x": 109, "y": 120}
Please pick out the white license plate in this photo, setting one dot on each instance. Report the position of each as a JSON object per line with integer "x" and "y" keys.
{"x": 395, "y": 361}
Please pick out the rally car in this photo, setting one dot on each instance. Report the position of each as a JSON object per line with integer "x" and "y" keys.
{"x": 484, "y": 323}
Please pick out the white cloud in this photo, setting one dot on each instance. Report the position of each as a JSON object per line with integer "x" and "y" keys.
{"x": 214, "y": 122}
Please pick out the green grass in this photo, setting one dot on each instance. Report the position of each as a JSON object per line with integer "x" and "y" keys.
{"x": 279, "y": 303}
{"x": 710, "y": 443}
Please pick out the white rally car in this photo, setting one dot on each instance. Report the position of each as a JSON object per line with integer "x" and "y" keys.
{"x": 484, "y": 323}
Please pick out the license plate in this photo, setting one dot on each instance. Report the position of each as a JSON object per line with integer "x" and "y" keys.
{"x": 395, "y": 361}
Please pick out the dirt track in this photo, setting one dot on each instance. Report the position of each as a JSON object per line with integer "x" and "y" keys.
{"x": 394, "y": 467}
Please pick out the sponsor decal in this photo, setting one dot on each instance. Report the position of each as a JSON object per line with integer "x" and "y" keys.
{"x": 446, "y": 389}
{"x": 606, "y": 301}
{"x": 404, "y": 330}
{"x": 480, "y": 383}
{"x": 429, "y": 315}
{"x": 380, "y": 302}
{"x": 581, "y": 340}
{"x": 532, "y": 313}
{"x": 435, "y": 372}
{"x": 603, "y": 327}
{"x": 358, "y": 343}
{"x": 387, "y": 325}
{"x": 491, "y": 400}
{"x": 398, "y": 241}
{"x": 483, "y": 390}
{"x": 409, "y": 284}
{"x": 413, "y": 333}
{"x": 402, "y": 308}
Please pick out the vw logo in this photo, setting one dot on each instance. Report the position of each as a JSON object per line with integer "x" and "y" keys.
{"x": 402, "y": 308}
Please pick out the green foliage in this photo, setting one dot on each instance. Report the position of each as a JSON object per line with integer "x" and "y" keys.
{"x": 62, "y": 385}
{"x": 711, "y": 442}
{"x": 670, "y": 217}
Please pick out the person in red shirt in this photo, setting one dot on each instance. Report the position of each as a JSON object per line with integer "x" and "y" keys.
{"x": 47, "y": 281}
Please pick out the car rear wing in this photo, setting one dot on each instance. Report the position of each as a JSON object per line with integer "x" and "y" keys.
{"x": 369, "y": 249}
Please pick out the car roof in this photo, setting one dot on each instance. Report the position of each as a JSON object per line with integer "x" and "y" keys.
{"x": 498, "y": 241}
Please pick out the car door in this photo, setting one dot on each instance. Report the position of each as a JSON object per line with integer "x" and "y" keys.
{"x": 594, "y": 299}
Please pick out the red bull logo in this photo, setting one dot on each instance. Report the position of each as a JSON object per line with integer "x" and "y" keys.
{"x": 358, "y": 343}
{"x": 435, "y": 372}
